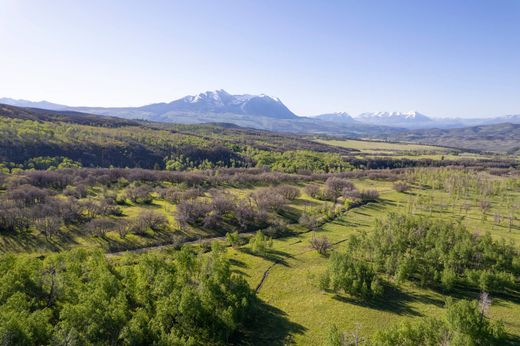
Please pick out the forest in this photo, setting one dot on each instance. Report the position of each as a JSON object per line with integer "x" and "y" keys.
{"x": 119, "y": 232}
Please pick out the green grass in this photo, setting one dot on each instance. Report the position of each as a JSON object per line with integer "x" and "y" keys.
{"x": 304, "y": 313}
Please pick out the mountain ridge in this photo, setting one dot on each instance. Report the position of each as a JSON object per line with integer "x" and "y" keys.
{"x": 263, "y": 112}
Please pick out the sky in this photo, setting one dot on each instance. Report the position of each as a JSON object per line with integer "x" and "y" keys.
{"x": 439, "y": 57}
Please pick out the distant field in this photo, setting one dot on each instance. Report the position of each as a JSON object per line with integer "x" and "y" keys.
{"x": 381, "y": 146}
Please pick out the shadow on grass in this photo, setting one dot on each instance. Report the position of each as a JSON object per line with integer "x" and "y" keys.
{"x": 465, "y": 292}
{"x": 393, "y": 300}
{"x": 27, "y": 241}
{"x": 512, "y": 340}
{"x": 290, "y": 213}
{"x": 304, "y": 202}
{"x": 237, "y": 263}
{"x": 269, "y": 326}
{"x": 275, "y": 256}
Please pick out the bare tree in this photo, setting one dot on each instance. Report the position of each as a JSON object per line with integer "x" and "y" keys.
{"x": 320, "y": 244}
{"x": 49, "y": 226}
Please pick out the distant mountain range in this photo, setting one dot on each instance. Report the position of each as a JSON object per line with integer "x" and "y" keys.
{"x": 268, "y": 113}
{"x": 209, "y": 102}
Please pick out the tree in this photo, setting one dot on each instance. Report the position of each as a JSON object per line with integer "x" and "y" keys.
{"x": 288, "y": 192}
{"x": 49, "y": 226}
{"x": 268, "y": 199}
{"x": 308, "y": 221}
{"x": 312, "y": 190}
{"x": 334, "y": 187}
{"x": 232, "y": 239}
{"x": 260, "y": 244}
{"x": 320, "y": 244}
{"x": 464, "y": 324}
{"x": 352, "y": 276}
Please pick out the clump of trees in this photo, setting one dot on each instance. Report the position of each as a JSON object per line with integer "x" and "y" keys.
{"x": 151, "y": 299}
{"x": 437, "y": 253}
{"x": 351, "y": 275}
{"x": 465, "y": 323}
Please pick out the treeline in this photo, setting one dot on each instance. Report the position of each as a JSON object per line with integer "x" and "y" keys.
{"x": 81, "y": 298}
{"x": 393, "y": 163}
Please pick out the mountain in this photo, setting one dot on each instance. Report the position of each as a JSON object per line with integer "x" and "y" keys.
{"x": 32, "y": 104}
{"x": 339, "y": 117}
{"x": 215, "y": 103}
{"x": 251, "y": 111}
{"x": 410, "y": 119}
{"x": 219, "y": 101}
{"x": 47, "y": 115}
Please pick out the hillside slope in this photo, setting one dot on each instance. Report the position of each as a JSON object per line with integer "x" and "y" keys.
{"x": 500, "y": 138}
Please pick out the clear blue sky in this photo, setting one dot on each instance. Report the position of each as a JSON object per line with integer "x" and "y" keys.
{"x": 443, "y": 58}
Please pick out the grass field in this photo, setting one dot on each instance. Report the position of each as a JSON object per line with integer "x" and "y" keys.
{"x": 291, "y": 285}
{"x": 382, "y": 146}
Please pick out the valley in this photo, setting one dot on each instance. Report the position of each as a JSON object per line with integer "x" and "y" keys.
{"x": 270, "y": 215}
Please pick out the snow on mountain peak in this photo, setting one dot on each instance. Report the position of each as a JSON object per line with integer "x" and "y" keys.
{"x": 394, "y": 116}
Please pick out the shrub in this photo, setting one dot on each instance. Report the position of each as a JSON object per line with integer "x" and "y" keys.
{"x": 334, "y": 187}
{"x": 268, "y": 199}
{"x": 100, "y": 226}
{"x": 288, "y": 192}
{"x": 260, "y": 244}
{"x": 320, "y": 244}
{"x": 311, "y": 222}
{"x": 312, "y": 190}
{"x": 401, "y": 187}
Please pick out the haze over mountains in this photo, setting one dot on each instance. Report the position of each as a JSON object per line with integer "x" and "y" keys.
{"x": 269, "y": 113}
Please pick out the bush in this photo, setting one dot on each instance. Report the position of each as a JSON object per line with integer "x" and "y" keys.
{"x": 320, "y": 244}
{"x": 268, "y": 199}
{"x": 369, "y": 195}
{"x": 260, "y": 244}
{"x": 401, "y": 187}
{"x": 310, "y": 222}
{"x": 288, "y": 192}
{"x": 312, "y": 190}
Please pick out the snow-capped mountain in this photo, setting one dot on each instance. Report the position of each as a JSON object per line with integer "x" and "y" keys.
{"x": 340, "y": 117}
{"x": 410, "y": 119}
{"x": 394, "y": 116}
{"x": 219, "y": 101}
{"x": 265, "y": 112}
